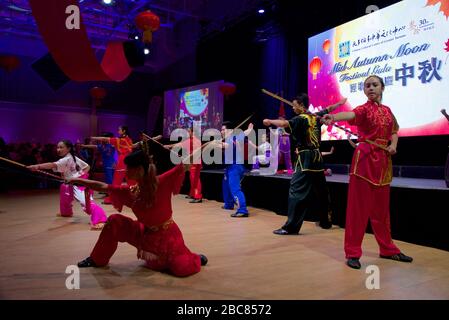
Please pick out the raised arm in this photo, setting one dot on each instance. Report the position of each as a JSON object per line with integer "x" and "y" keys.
{"x": 219, "y": 144}
{"x": 157, "y": 138}
{"x": 336, "y": 105}
{"x": 341, "y": 116}
{"x": 91, "y": 184}
{"x": 101, "y": 139}
{"x": 137, "y": 144}
{"x": 42, "y": 166}
{"x": 171, "y": 146}
{"x": 326, "y": 153}
{"x": 248, "y": 131}
{"x": 275, "y": 122}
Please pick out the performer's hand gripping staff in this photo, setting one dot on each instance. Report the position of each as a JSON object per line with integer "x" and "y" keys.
{"x": 328, "y": 119}
{"x": 34, "y": 168}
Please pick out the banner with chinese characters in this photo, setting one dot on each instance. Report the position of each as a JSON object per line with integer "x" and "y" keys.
{"x": 407, "y": 45}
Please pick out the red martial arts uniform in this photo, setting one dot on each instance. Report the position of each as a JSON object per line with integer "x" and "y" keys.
{"x": 124, "y": 146}
{"x": 192, "y": 144}
{"x": 369, "y": 182}
{"x": 154, "y": 232}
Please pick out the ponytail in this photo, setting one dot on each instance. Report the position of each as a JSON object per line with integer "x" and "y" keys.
{"x": 140, "y": 159}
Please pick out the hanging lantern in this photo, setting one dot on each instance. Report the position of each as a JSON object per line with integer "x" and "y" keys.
{"x": 97, "y": 95}
{"x": 148, "y": 22}
{"x": 227, "y": 88}
{"x": 326, "y": 45}
{"x": 9, "y": 62}
{"x": 315, "y": 66}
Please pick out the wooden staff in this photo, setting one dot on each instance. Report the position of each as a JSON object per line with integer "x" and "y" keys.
{"x": 40, "y": 171}
{"x": 151, "y": 138}
{"x": 204, "y": 145}
{"x": 148, "y": 137}
{"x": 240, "y": 124}
{"x": 318, "y": 117}
{"x": 207, "y": 143}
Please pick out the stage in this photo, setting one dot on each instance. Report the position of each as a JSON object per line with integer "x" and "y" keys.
{"x": 246, "y": 261}
{"x": 419, "y": 209}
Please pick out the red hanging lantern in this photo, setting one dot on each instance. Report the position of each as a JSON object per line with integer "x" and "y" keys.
{"x": 227, "y": 88}
{"x": 281, "y": 110}
{"x": 326, "y": 45}
{"x": 97, "y": 94}
{"x": 148, "y": 22}
{"x": 315, "y": 66}
{"x": 9, "y": 62}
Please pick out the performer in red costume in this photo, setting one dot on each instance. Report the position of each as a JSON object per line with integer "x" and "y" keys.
{"x": 190, "y": 144}
{"x": 156, "y": 236}
{"x": 370, "y": 174}
{"x": 124, "y": 146}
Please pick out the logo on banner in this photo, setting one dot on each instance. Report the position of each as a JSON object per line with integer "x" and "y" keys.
{"x": 344, "y": 49}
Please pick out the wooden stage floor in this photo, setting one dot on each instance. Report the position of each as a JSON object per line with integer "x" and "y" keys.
{"x": 246, "y": 261}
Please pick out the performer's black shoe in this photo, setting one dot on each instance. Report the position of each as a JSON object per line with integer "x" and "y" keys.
{"x": 240, "y": 215}
{"x": 354, "y": 263}
{"x": 226, "y": 208}
{"x": 398, "y": 257}
{"x": 196, "y": 201}
{"x": 203, "y": 259}
{"x": 87, "y": 263}
{"x": 325, "y": 225}
{"x": 283, "y": 232}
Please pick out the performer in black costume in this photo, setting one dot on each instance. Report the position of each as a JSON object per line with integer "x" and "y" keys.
{"x": 308, "y": 185}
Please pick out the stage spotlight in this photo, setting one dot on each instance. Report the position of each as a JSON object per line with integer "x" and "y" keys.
{"x": 136, "y": 37}
{"x": 261, "y": 11}
{"x": 146, "y": 51}
{"x": 107, "y": 1}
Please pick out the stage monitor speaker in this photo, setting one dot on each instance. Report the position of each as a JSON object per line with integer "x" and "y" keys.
{"x": 47, "y": 68}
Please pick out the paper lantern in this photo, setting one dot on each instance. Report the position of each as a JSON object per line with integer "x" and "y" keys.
{"x": 98, "y": 93}
{"x": 227, "y": 88}
{"x": 9, "y": 62}
{"x": 315, "y": 66}
{"x": 148, "y": 22}
{"x": 326, "y": 45}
